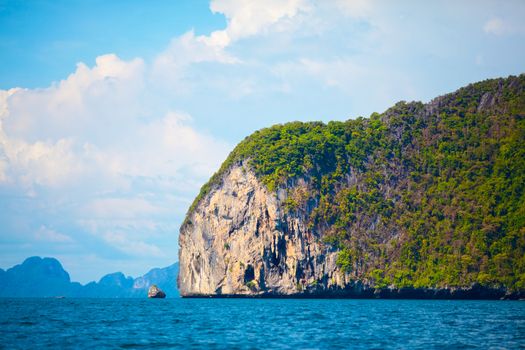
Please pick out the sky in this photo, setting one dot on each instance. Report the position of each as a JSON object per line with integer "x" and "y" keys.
{"x": 113, "y": 114}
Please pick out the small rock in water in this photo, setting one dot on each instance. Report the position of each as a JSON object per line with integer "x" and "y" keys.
{"x": 155, "y": 292}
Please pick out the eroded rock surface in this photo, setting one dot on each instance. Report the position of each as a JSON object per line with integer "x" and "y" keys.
{"x": 238, "y": 241}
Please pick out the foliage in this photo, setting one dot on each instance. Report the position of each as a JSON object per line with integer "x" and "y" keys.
{"x": 421, "y": 195}
{"x": 252, "y": 285}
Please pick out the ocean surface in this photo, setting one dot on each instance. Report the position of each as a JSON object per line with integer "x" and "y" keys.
{"x": 260, "y": 324}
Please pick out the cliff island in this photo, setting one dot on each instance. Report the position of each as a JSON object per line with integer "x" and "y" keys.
{"x": 421, "y": 201}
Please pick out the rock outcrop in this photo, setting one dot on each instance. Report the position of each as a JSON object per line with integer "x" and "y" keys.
{"x": 155, "y": 293}
{"x": 239, "y": 242}
{"x": 375, "y": 207}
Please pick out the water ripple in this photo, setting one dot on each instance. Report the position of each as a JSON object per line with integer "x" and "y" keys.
{"x": 260, "y": 324}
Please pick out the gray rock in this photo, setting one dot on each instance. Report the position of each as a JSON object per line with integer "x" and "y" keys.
{"x": 155, "y": 292}
{"x": 238, "y": 241}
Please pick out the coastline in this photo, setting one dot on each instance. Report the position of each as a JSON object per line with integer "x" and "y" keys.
{"x": 474, "y": 293}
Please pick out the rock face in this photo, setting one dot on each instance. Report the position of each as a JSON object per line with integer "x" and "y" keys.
{"x": 239, "y": 242}
{"x": 402, "y": 204}
{"x": 156, "y": 293}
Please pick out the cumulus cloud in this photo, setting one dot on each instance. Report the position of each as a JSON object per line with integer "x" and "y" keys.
{"x": 86, "y": 102}
{"x": 46, "y": 135}
{"x": 244, "y": 19}
{"x": 44, "y": 163}
{"x": 99, "y": 152}
{"x": 247, "y": 18}
{"x": 90, "y": 124}
{"x": 170, "y": 66}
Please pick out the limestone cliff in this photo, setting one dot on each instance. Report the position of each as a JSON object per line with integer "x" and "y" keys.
{"x": 240, "y": 241}
{"x": 420, "y": 201}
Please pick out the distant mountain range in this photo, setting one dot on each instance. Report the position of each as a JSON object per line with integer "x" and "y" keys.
{"x": 45, "y": 277}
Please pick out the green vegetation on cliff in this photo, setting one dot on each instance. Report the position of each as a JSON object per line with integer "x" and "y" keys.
{"x": 419, "y": 196}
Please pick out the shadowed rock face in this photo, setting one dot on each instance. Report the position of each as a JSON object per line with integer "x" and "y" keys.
{"x": 238, "y": 241}
{"x": 37, "y": 277}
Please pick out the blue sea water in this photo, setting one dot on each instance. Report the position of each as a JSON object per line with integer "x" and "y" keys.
{"x": 260, "y": 324}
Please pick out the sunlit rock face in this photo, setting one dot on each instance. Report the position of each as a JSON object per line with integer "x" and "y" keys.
{"x": 239, "y": 241}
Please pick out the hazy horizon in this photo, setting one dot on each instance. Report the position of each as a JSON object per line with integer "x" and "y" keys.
{"x": 104, "y": 274}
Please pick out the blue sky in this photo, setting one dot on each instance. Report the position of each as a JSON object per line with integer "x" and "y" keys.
{"x": 114, "y": 113}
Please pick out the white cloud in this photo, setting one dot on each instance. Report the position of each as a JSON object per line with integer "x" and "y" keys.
{"x": 354, "y": 77}
{"x": 338, "y": 73}
{"x": 505, "y": 26}
{"x": 41, "y": 163}
{"x": 87, "y": 101}
{"x": 3, "y": 170}
{"x": 495, "y": 26}
{"x": 189, "y": 48}
{"x": 46, "y": 134}
{"x": 244, "y": 19}
{"x": 178, "y": 145}
{"x": 356, "y": 8}
{"x": 97, "y": 152}
{"x": 139, "y": 248}
{"x": 170, "y": 66}
{"x": 248, "y": 18}
{"x": 49, "y": 235}
{"x": 120, "y": 208}
{"x": 91, "y": 125}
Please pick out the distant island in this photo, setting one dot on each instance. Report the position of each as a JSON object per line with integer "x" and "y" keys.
{"x": 423, "y": 200}
{"x": 45, "y": 277}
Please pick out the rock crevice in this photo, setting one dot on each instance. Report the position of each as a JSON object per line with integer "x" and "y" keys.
{"x": 256, "y": 250}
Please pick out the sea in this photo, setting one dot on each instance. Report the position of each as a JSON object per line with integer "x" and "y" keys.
{"x": 260, "y": 324}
